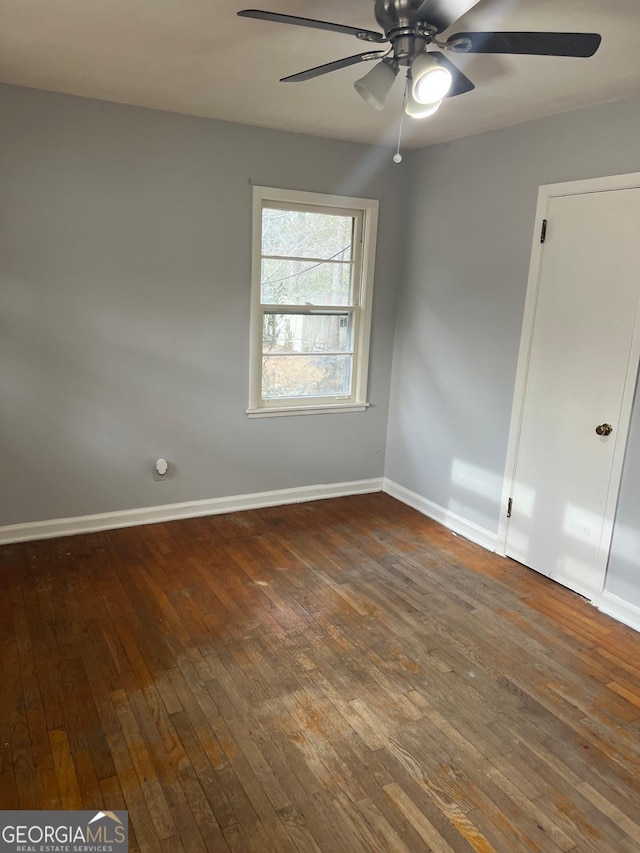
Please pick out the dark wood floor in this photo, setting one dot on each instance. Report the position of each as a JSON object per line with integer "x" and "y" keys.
{"x": 342, "y": 675}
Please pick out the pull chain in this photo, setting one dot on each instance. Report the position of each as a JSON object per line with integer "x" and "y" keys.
{"x": 397, "y": 157}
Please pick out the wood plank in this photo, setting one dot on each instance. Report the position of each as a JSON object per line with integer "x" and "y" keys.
{"x": 417, "y": 819}
{"x": 70, "y": 794}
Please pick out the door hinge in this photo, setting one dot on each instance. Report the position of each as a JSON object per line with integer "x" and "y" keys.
{"x": 543, "y": 231}
{"x": 509, "y": 507}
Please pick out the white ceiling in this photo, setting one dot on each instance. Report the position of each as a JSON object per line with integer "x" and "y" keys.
{"x": 198, "y": 57}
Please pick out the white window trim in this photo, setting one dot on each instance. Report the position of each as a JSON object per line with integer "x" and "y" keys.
{"x": 362, "y": 332}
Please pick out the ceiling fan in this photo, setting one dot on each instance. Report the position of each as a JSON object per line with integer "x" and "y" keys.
{"x": 411, "y": 28}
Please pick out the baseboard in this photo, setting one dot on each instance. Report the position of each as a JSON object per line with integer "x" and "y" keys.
{"x": 443, "y": 516}
{"x": 173, "y": 512}
{"x": 620, "y": 609}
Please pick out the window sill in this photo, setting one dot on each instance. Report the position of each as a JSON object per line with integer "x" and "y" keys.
{"x": 286, "y": 411}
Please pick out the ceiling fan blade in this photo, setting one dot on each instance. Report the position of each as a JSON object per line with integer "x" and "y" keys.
{"x": 310, "y": 73}
{"x": 460, "y": 83}
{"x": 442, "y": 13}
{"x": 536, "y": 44}
{"x": 276, "y": 17}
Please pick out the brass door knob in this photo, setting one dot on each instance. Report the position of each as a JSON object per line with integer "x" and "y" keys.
{"x": 604, "y": 429}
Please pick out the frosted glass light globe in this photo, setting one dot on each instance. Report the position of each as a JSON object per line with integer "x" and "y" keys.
{"x": 416, "y": 110}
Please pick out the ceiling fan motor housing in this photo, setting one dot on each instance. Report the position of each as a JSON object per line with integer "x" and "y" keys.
{"x": 395, "y": 14}
{"x": 396, "y": 19}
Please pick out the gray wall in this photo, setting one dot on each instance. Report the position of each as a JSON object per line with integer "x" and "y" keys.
{"x": 623, "y": 576}
{"x": 124, "y": 308}
{"x": 460, "y": 313}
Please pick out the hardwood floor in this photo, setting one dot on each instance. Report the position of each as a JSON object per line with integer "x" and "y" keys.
{"x": 342, "y": 675}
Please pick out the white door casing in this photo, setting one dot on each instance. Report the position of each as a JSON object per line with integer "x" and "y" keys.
{"x": 577, "y": 368}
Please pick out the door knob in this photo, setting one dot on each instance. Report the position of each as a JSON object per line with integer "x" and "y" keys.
{"x": 604, "y": 429}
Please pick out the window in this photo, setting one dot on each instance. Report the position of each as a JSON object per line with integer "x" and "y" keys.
{"x": 313, "y": 259}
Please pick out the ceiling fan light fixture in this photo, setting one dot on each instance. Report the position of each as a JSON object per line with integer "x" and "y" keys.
{"x": 376, "y": 84}
{"x": 431, "y": 81}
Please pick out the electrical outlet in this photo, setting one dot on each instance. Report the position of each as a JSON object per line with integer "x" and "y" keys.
{"x": 160, "y": 469}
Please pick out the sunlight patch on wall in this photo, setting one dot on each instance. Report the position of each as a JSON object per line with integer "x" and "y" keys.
{"x": 474, "y": 479}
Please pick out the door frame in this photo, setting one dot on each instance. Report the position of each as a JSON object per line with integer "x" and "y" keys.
{"x": 594, "y": 586}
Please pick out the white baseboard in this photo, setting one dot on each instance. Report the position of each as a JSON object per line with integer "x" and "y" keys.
{"x": 191, "y": 509}
{"x": 620, "y": 609}
{"x": 443, "y": 516}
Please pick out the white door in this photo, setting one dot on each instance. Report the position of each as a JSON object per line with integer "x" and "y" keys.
{"x": 580, "y": 363}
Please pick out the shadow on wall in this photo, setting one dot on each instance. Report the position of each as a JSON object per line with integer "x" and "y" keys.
{"x": 623, "y": 570}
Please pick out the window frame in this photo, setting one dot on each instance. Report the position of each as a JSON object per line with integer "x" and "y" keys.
{"x": 366, "y": 212}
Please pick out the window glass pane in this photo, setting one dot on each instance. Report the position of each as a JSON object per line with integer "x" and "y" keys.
{"x": 306, "y": 376}
{"x": 301, "y": 234}
{"x": 307, "y": 333}
{"x": 304, "y": 282}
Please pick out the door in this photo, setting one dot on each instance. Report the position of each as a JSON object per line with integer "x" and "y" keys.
{"x": 581, "y": 361}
